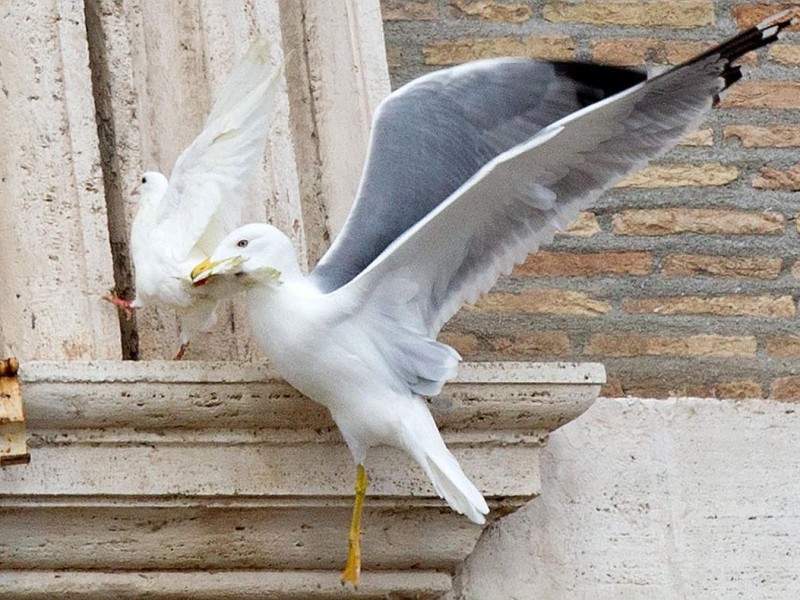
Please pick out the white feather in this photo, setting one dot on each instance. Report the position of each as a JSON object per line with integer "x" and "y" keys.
{"x": 181, "y": 220}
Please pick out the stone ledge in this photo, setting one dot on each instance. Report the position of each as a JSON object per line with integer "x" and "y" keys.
{"x": 242, "y": 585}
{"x": 211, "y": 468}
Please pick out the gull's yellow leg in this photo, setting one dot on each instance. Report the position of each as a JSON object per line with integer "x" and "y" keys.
{"x": 353, "y": 568}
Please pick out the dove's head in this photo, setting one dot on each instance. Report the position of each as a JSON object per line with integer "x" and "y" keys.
{"x": 151, "y": 188}
{"x": 254, "y": 254}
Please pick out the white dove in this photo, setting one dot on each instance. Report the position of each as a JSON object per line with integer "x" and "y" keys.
{"x": 469, "y": 169}
{"x": 181, "y": 220}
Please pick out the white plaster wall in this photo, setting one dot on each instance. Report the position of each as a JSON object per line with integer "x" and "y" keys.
{"x": 648, "y": 499}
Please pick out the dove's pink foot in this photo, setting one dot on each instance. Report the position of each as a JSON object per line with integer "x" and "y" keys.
{"x": 124, "y": 305}
{"x": 181, "y": 351}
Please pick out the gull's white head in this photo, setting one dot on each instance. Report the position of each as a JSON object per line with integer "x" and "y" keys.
{"x": 151, "y": 187}
{"x": 254, "y": 254}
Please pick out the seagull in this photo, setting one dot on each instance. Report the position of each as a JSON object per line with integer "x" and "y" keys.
{"x": 468, "y": 170}
{"x": 182, "y": 219}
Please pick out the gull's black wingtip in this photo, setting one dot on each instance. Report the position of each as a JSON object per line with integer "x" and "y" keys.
{"x": 758, "y": 36}
{"x": 780, "y": 21}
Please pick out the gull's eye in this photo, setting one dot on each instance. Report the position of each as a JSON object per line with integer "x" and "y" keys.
{"x": 144, "y": 179}
{"x": 242, "y": 243}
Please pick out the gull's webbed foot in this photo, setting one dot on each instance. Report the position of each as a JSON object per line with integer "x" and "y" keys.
{"x": 352, "y": 571}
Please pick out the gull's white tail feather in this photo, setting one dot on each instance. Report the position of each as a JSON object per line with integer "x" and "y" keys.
{"x": 425, "y": 443}
{"x": 451, "y": 484}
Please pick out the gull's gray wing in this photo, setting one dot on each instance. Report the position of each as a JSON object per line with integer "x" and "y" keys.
{"x": 433, "y": 134}
{"x": 517, "y": 201}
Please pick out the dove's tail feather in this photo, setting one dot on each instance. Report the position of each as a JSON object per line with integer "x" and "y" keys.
{"x": 442, "y": 468}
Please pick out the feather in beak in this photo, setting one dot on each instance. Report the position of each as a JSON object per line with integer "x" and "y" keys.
{"x": 208, "y": 268}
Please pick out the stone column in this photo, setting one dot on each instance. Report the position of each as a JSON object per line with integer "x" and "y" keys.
{"x": 157, "y": 70}
{"x": 344, "y": 79}
{"x": 55, "y": 258}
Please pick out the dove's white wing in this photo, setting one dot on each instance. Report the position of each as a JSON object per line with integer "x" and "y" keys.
{"x": 252, "y": 69}
{"x": 204, "y": 197}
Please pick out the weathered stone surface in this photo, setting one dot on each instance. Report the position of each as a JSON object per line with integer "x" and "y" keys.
{"x": 55, "y": 253}
{"x": 769, "y": 178}
{"x": 774, "y": 136}
{"x": 743, "y": 389}
{"x": 738, "y": 389}
{"x": 346, "y": 78}
{"x": 796, "y": 267}
{"x": 547, "y": 301}
{"x": 394, "y": 56}
{"x": 466, "y": 344}
{"x": 648, "y": 499}
{"x": 640, "y": 51}
{"x": 238, "y": 584}
{"x": 681, "y": 175}
{"x": 651, "y": 385}
{"x": 788, "y": 54}
{"x": 490, "y": 10}
{"x": 612, "y": 389}
{"x": 404, "y": 10}
{"x": 531, "y": 345}
{"x": 723, "y": 306}
{"x": 749, "y": 15}
{"x": 786, "y": 388}
{"x": 586, "y": 225}
{"x": 669, "y": 221}
{"x": 688, "y": 265}
{"x": 208, "y": 468}
{"x": 628, "y": 51}
{"x": 694, "y": 345}
{"x": 557, "y": 47}
{"x": 698, "y": 137}
{"x": 762, "y": 94}
{"x": 785, "y": 346}
{"x": 677, "y": 52}
{"x": 590, "y": 264}
{"x": 648, "y": 13}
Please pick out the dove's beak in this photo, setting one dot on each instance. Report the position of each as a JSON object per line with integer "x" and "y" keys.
{"x": 209, "y": 268}
{"x": 134, "y": 191}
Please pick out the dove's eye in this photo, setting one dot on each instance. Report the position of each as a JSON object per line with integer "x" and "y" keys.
{"x": 144, "y": 179}
{"x": 242, "y": 243}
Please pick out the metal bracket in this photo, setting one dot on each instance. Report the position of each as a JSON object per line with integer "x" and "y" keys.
{"x": 13, "y": 447}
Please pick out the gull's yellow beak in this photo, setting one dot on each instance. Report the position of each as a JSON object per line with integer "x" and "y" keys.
{"x": 202, "y": 272}
{"x": 208, "y": 268}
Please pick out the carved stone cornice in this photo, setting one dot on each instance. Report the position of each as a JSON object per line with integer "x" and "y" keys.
{"x": 216, "y": 476}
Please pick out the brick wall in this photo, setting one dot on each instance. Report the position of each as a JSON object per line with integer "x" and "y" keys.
{"x": 685, "y": 278}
